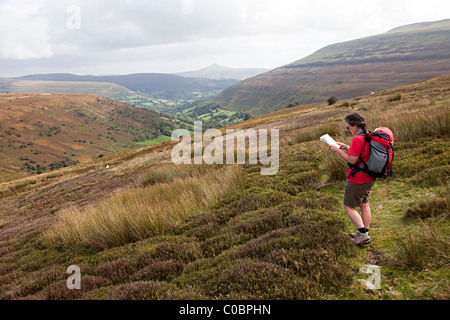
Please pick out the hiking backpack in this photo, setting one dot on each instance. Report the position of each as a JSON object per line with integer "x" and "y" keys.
{"x": 381, "y": 154}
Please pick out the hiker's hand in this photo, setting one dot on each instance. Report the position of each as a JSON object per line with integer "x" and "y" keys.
{"x": 343, "y": 145}
{"x": 334, "y": 148}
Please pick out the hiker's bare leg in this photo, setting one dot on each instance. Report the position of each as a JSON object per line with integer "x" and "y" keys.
{"x": 366, "y": 214}
{"x": 354, "y": 216}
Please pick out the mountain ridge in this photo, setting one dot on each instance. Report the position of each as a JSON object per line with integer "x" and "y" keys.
{"x": 145, "y": 82}
{"x": 347, "y": 69}
{"x": 156, "y": 91}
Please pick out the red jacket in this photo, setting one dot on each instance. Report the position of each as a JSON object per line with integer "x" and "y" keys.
{"x": 357, "y": 148}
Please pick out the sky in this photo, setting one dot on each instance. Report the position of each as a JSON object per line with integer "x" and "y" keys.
{"x": 167, "y": 36}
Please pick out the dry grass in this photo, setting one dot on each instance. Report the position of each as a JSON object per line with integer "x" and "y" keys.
{"x": 428, "y": 245}
{"x": 169, "y": 172}
{"x": 138, "y": 213}
{"x": 410, "y": 126}
{"x": 427, "y": 208}
{"x": 315, "y": 132}
{"x": 335, "y": 167}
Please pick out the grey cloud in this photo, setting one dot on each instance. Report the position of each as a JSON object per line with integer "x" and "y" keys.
{"x": 180, "y": 35}
{"x": 125, "y": 24}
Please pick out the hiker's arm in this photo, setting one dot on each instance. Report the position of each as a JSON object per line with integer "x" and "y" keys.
{"x": 343, "y": 145}
{"x": 347, "y": 157}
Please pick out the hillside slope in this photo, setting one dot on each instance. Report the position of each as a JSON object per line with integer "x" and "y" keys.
{"x": 41, "y": 132}
{"x": 359, "y": 67}
{"x": 147, "y": 229}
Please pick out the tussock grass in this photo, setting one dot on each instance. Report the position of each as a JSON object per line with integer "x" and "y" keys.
{"x": 427, "y": 245}
{"x": 315, "y": 132}
{"x": 335, "y": 167}
{"x": 424, "y": 161}
{"x": 429, "y": 208}
{"x": 411, "y": 126}
{"x": 169, "y": 172}
{"x": 135, "y": 214}
{"x": 396, "y": 97}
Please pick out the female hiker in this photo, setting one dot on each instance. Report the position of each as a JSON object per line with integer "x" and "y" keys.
{"x": 359, "y": 184}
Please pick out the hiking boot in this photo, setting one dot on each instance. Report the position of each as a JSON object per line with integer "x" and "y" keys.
{"x": 361, "y": 238}
{"x": 352, "y": 235}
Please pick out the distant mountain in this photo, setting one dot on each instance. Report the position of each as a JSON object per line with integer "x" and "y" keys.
{"x": 349, "y": 69}
{"x": 105, "y": 89}
{"x": 218, "y": 72}
{"x": 42, "y": 132}
{"x": 167, "y": 85}
{"x": 162, "y": 92}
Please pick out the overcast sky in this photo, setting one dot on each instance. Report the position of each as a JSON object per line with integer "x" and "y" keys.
{"x": 131, "y": 36}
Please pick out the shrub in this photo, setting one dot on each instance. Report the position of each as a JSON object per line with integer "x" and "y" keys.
{"x": 250, "y": 202}
{"x": 396, "y": 97}
{"x": 59, "y": 291}
{"x": 154, "y": 290}
{"x": 308, "y": 180}
{"x": 248, "y": 279}
{"x": 160, "y": 270}
{"x": 332, "y": 100}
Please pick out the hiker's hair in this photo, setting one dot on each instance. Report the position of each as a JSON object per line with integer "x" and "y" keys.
{"x": 356, "y": 119}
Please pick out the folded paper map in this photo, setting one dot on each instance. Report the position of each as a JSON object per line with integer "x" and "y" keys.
{"x": 329, "y": 140}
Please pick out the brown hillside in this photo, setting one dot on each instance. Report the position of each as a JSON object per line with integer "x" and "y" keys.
{"x": 42, "y": 132}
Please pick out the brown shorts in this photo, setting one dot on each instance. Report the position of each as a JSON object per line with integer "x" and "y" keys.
{"x": 355, "y": 194}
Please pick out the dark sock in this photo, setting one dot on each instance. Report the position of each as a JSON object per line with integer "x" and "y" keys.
{"x": 363, "y": 230}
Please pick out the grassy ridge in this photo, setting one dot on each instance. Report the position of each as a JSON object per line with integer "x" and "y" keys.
{"x": 273, "y": 237}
